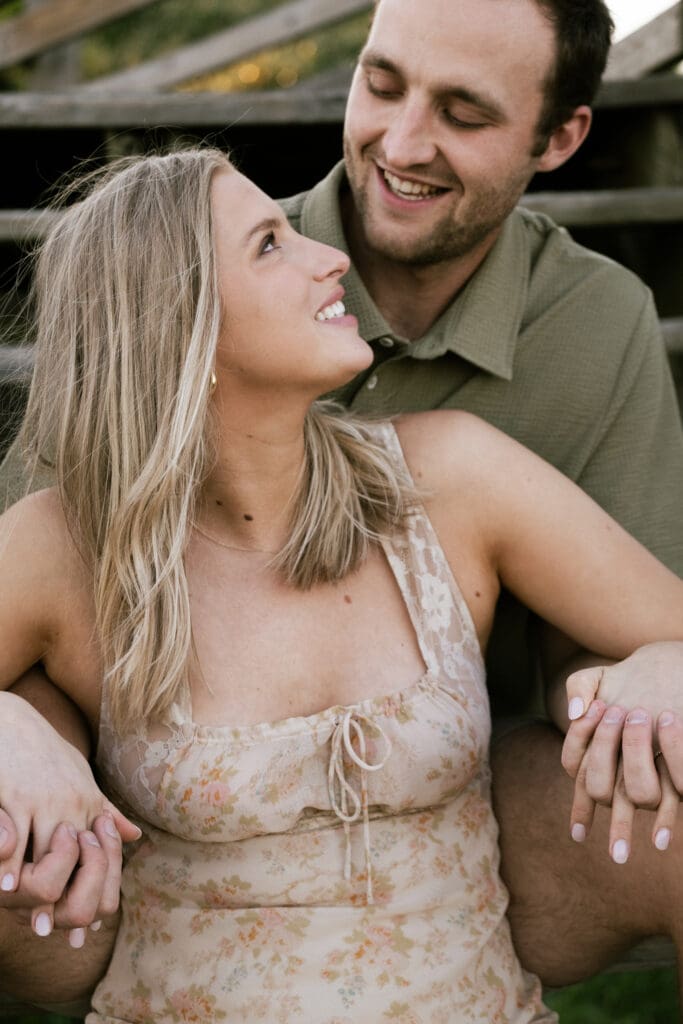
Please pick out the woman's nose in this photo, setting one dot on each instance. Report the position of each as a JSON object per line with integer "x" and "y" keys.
{"x": 330, "y": 262}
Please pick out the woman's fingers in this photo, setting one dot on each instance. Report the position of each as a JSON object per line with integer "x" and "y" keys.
{"x": 125, "y": 828}
{"x": 621, "y": 822}
{"x": 670, "y": 742}
{"x": 579, "y": 736}
{"x": 640, "y": 773}
{"x": 603, "y": 755}
{"x": 583, "y": 807}
{"x": 667, "y": 812}
{"x": 582, "y": 686}
{"x": 10, "y": 866}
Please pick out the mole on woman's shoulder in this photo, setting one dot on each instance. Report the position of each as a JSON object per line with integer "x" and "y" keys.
{"x": 249, "y": 518}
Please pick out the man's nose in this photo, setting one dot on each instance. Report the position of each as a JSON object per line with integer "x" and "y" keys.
{"x": 408, "y": 140}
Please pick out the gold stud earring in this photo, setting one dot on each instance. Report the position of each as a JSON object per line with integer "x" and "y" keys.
{"x": 213, "y": 381}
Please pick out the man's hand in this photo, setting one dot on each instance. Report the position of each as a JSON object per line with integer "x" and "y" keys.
{"x": 48, "y": 896}
{"x": 49, "y": 796}
{"x": 614, "y": 753}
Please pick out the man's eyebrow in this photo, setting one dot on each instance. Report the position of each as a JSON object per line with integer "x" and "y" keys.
{"x": 445, "y": 90}
{"x": 267, "y": 224}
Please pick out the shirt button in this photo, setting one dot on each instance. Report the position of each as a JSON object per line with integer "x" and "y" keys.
{"x": 387, "y": 342}
{"x": 372, "y": 382}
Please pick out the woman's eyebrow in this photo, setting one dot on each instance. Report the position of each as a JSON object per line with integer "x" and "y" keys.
{"x": 267, "y": 224}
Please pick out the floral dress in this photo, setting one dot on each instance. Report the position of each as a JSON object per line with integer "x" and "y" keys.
{"x": 327, "y": 869}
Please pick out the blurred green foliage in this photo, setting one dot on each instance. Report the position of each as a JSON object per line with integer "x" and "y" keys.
{"x": 169, "y": 24}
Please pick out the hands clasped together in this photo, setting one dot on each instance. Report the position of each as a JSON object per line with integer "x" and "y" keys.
{"x": 60, "y": 838}
{"x": 624, "y": 745}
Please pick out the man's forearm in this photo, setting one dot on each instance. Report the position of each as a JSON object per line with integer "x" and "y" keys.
{"x": 35, "y": 688}
{"x": 48, "y": 970}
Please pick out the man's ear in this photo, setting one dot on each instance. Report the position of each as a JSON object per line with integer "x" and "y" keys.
{"x": 566, "y": 139}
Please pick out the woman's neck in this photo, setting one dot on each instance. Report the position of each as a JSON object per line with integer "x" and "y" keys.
{"x": 247, "y": 499}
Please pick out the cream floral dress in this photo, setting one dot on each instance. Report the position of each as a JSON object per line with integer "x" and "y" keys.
{"x": 332, "y": 869}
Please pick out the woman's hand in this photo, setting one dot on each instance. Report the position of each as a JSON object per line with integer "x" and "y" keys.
{"x": 50, "y": 799}
{"x": 614, "y": 754}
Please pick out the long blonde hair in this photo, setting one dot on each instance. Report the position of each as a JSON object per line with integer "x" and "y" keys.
{"x": 127, "y": 321}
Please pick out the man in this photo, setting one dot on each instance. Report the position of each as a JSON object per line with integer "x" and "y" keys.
{"x": 470, "y": 303}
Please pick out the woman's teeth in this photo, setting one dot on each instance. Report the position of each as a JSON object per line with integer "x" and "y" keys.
{"x": 331, "y": 312}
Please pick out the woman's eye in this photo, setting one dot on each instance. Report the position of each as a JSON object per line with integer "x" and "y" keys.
{"x": 268, "y": 244}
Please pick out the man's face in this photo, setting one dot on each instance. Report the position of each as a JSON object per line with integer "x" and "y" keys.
{"x": 441, "y": 123}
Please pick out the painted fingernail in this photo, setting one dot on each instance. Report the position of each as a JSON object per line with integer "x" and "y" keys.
{"x": 578, "y": 833}
{"x": 7, "y": 883}
{"x": 91, "y": 839}
{"x": 95, "y": 926}
{"x": 43, "y": 924}
{"x": 575, "y": 709}
{"x": 110, "y": 828}
{"x": 637, "y": 717}
{"x": 77, "y": 938}
{"x": 620, "y": 851}
{"x": 662, "y": 838}
{"x": 71, "y": 829}
{"x": 666, "y": 718}
{"x": 613, "y": 715}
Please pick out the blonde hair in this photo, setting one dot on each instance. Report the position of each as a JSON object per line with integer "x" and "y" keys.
{"x": 127, "y": 321}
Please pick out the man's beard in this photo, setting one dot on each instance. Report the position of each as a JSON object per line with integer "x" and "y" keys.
{"x": 449, "y": 239}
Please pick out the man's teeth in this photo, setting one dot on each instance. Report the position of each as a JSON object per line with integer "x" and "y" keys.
{"x": 331, "y": 312}
{"x": 409, "y": 189}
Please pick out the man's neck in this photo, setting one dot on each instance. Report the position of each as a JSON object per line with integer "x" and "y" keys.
{"x": 410, "y": 298}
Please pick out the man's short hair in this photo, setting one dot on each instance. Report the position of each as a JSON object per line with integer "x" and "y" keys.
{"x": 583, "y": 31}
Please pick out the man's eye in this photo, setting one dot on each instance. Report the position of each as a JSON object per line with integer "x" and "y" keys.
{"x": 381, "y": 85}
{"x": 458, "y": 122}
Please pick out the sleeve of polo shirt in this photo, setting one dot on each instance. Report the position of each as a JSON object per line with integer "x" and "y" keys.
{"x": 636, "y": 469}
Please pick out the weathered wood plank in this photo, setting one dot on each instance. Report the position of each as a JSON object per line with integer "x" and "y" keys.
{"x": 609, "y": 206}
{"x": 24, "y": 225}
{"x": 655, "y": 90}
{"x": 139, "y": 109}
{"x": 38, "y": 29}
{"x": 653, "y": 46}
{"x": 321, "y": 100}
{"x": 281, "y": 25}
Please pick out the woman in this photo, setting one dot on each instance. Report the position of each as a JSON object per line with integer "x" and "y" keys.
{"x": 207, "y": 583}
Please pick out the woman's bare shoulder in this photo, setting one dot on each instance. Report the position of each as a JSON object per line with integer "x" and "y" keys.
{"x": 449, "y": 445}
{"x": 35, "y": 529}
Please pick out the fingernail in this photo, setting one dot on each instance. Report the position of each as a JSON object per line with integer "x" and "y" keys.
{"x": 578, "y": 833}
{"x": 613, "y": 715}
{"x": 110, "y": 828}
{"x": 77, "y": 938}
{"x": 637, "y": 717}
{"x": 7, "y": 883}
{"x": 43, "y": 925}
{"x": 620, "y": 851}
{"x": 594, "y": 709}
{"x": 71, "y": 829}
{"x": 662, "y": 838}
{"x": 3, "y": 834}
{"x": 95, "y": 926}
{"x": 91, "y": 839}
{"x": 575, "y": 709}
{"x": 666, "y": 718}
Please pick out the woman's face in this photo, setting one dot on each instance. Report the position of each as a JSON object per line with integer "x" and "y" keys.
{"x": 283, "y": 324}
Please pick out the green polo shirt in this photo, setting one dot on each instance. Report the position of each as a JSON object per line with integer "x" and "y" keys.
{"x": 554, "y": 344}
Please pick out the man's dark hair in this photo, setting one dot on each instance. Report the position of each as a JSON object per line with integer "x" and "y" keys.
{"x": 583, "y": 30}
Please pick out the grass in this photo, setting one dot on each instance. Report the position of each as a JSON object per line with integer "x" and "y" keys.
{"x": 635, "y": 997}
